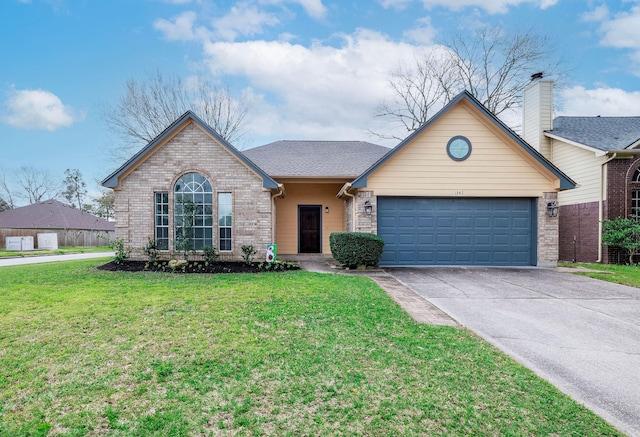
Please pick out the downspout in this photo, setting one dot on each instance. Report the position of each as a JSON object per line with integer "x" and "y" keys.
{"x": 601, "y": 206}
{"x": 280, "y": 193}
{"x": 353, "y": 204}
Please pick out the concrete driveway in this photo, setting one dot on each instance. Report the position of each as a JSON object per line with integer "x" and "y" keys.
{"x": 580, "y": 334}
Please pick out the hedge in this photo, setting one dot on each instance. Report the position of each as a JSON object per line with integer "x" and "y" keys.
{"x": 356, "y": 248}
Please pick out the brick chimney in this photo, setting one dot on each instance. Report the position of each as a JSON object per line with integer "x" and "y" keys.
{"x": 537, "y": 114}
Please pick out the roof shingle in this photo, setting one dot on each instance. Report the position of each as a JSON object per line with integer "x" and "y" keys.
{"x": 52, "y": 214}
{"x": 602, "y": 133}
{"x": 293, "y": 158}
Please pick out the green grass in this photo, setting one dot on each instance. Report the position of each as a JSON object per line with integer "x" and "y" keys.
{"x": 88, "y": 352}
{"x": 627, "y": 275}
{"x": 61, "y": 251}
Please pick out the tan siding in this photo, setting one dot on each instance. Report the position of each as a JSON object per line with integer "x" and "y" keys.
{"x": 497, "y": 167}
{"x": 307, "y": 194}
{"x": 583, "y": 167}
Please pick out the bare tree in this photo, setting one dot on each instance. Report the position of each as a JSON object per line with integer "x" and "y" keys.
{"x": 35, "y": 184}
{"x": 494, "y": 66}
{"x": 4, "y": 206}
{"x": 153, "y": 103}
{"x": 76, "y": 188}
{"x": 104, "y": 205}
{"x": 6, "y": 193}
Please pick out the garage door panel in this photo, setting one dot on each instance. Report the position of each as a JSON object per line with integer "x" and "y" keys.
{"x": 463, "y": 231}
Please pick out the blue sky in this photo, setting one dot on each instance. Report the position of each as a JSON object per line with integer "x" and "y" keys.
{"x": 311, "y": 69}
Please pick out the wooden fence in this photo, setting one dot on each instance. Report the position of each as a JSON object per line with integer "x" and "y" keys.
{"x": 66, "y": 237}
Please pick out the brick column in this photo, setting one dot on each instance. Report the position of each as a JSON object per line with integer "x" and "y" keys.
{"x": 547, "y": 233}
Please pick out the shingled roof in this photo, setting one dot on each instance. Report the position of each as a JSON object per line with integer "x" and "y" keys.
{"x": 344, "y": 159}
{"x": 602, "y": 133}
{"x": 52, "y": 214}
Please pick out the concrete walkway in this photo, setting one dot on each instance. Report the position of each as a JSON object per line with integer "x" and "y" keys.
{"x": 37, "y": 259}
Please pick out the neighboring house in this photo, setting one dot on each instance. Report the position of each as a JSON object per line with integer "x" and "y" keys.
{"x": 602, "y": 155}
{"x": 74, "y": 227}
{"x": 462, "y": 190}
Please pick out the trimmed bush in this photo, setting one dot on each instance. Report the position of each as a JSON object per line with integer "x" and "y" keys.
{"x": 356, "y": 248}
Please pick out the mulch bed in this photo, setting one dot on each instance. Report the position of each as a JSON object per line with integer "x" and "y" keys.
{"x": 199, "y": 267}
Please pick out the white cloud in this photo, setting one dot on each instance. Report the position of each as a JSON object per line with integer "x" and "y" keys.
{"x": 314, "y": 8}
{"x": 424, "y": 33}
{"x": 491, "y": 6}
{"x": 623, "y": 30}
{"x": 599, "y": 101}
{"x": 598, "y": 14}
{"x": 243, "y": 19}
{"x": 180, "y": 29}
{"x": 38, "y": 109}
{"x": 322, "y": 91}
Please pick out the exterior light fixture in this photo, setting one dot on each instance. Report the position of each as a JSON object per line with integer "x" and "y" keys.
{"x": 326, "y": 209}
{"x": 368, "y": 208}
{"x": 552, "y": 209}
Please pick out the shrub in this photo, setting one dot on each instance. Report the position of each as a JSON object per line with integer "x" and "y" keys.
{"x": 248, "y": 252}
{"x": 209, "y": 253}
{"x": 122, "y": 254}
{"x": 356, "y": 248}
{"x": 151, "y": 249}
{"x": 623, "y": 233}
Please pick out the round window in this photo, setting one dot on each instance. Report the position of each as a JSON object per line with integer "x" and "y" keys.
{"x": 459, "y": 148}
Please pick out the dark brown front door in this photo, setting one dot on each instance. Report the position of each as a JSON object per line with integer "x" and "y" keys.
{"x": 309, "y": 235}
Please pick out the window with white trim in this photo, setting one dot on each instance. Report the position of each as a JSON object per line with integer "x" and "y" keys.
{"x": 162, "y": 220}
{"x": 225, "y": 212}
{"x": 635, "y": 202}
{"x": 193, "y": 212}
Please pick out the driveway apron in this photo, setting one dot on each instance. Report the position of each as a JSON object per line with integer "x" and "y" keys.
{"x": 580, "y": 334}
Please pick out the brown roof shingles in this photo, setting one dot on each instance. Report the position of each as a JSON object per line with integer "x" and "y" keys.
{"x": 52, "y": 214}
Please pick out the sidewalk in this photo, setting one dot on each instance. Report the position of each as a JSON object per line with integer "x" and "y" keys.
{"x": 53, "y": 258}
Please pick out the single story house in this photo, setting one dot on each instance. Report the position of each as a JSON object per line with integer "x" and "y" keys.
{"x": 602, "y": 155}
{"x": 74, "y": 227}
{"x": 462, "y": 190}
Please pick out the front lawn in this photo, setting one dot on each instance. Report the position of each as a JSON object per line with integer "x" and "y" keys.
{"x": 620, "y": 274}
{"x": 90, "y": 352}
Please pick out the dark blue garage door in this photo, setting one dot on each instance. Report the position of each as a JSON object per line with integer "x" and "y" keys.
{"x": 457, "y": 231}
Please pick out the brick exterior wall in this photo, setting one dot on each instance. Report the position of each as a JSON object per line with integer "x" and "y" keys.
{"x": 192, "y": 150}
{"x": 580, "y": 223}
{"x": 620, "y": 186}
{"x": 547, "y": 232}
{"x": 366, "y": 223}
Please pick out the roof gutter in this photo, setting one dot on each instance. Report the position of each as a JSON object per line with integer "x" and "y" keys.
{"x": 612, "y": 156}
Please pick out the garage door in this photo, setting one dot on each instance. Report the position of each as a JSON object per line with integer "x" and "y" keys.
{"x": 457, "y": 231}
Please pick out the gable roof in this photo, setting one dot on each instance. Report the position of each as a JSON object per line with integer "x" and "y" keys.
{"x": 602, "y": 133}
{"x": 52, "y": 214}
{"x": 346, "y": 159}
{"x": 111, "y": 181}
{"x": 565, "y": 181}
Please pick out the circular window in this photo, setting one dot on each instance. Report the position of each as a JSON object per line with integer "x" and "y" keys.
{"x": 459, "y": 148}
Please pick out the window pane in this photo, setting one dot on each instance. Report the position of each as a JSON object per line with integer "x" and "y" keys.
{"x": 162, "y": 220}
{"x": 193, "y": 209}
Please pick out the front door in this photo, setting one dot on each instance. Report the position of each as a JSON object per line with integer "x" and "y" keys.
{"x": 309, "y": 235}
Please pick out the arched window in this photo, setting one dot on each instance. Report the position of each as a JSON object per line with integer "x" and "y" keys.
{"x": 636, "y": 175}
{"x": 193, "y": 212}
